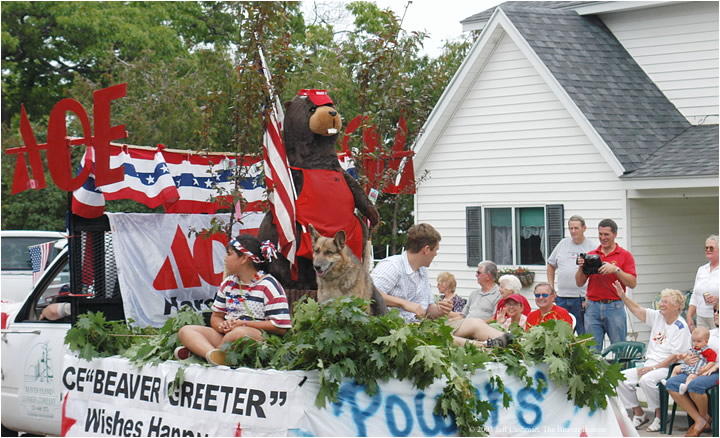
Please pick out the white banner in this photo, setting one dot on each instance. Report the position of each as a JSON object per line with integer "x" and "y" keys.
{"x": 107, "y": 396}
{"x": 161, "y": 268}
{"x": 112, "y": 398}
{"x": 399, "y": 409}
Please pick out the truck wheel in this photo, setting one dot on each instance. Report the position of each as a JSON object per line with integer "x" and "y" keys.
{"x": 8, "y": 432}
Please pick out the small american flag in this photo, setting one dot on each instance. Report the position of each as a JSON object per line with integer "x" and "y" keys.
{"x": 39, "y": 255}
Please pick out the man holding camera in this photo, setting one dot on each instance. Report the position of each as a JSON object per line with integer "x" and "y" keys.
{"x": 563, "y": 260}
{"x": 604, "y": 311}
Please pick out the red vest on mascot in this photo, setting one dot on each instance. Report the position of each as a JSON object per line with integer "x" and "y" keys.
{"x": 327, "y": 203}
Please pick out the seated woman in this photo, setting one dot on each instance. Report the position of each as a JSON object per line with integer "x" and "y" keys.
{"x": 446, "y": 284}
{"x": 510, "y": 284}
{"x": 249, "y": 302}
{"x": 670, "y": 337}
{"x": 695, "y": 400}
{"x": 512, "y": 312}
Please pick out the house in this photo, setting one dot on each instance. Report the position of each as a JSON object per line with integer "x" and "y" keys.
{"x": 603, "y": 109}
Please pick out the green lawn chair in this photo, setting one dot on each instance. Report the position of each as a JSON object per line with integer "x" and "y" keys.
{"x": 626, "y": 353}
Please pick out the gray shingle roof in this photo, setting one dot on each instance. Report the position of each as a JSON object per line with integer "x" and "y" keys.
{"x": 625, "y": 107}
{"x": 484, "y": 15}
{"x": 692, "y": 153}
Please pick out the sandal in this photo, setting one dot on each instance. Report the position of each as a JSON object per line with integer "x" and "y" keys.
{"x": 654, "y": 426}
{"x": 708, "y": 426}
{"x": 692, "y": 432}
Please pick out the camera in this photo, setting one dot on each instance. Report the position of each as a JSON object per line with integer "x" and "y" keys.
{"x": 592, "y": 263}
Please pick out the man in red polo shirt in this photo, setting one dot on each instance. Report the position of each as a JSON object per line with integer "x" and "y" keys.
{"x": 547, "y": 309}
{"x": 604, "y": 311}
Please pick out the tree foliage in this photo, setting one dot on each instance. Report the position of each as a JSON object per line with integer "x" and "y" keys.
{"x": 192, "y": 70}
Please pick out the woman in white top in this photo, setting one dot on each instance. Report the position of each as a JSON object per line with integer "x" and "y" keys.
{"x": 669, "y": 336}
{"x": 705, "y": 291}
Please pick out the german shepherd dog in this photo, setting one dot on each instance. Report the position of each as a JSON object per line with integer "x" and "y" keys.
{"x": 340, "y": 273}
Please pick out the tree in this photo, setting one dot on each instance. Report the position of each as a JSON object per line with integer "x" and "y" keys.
{"x": 194, "y": 79}
{"x": 45, "y": 45}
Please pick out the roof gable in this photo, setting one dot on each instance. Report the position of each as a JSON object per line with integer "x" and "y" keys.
{"x": 616, "y": 104}
{"x": 624, "y": 106}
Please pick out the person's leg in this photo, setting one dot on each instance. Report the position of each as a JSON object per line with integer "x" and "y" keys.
{"x": 242, "y": 332}
{"x": 696, "y": 391}
{"x": 627, "y": 392}
{"x": 473, "y": 328}
{"x": 682, "y": 400}
{"x": 574, "y": 306}
{"x": 593, "y": 323}
{"x": 649, "y": 385}
{"x": 616, "y": 321}
{"x": 199, "y": 339}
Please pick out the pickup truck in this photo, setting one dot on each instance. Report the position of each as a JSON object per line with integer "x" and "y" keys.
{"x": 33, "y": 349}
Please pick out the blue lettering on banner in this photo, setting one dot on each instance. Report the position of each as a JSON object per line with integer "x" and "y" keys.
{"x": 348, "y": 392}
{"x": 493, "y": 397}
{"x": 440, "y": 426}
{"x": 390, "y": 416}
{"x": 398, "y": 425}
{"x": 524, "y": 405}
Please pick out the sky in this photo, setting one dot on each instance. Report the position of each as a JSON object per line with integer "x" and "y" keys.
{"x": 441, "y": 19}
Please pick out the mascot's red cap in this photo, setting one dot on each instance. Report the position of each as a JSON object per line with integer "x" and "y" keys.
{"x": 318, "y": 97}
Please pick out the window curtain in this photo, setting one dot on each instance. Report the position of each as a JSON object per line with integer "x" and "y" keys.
{"x": 528, "y": 232}
{"x": 502, "y": 245}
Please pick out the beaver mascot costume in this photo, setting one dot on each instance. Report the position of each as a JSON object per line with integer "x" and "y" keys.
{"x": 327, "y": 196}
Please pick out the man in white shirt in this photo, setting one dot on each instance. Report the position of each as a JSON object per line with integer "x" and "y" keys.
{"x": 563, "y": 261}
{"x": 403, "y": 281}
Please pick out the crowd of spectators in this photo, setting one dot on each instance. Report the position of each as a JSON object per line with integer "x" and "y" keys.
{"x": 592, "y": 299}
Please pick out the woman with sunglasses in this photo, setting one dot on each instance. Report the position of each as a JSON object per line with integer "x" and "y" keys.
{"x": 695, "y": 400}
{"x": 705, "y": 290}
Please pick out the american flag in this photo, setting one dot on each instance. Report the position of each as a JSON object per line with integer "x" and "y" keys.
{"x": 39, "y": 255}
{"x": 277, "y": 174}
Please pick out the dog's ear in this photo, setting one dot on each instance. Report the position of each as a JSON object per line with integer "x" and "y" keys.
{"x": 313, "y": 233}
{"x": 340, "y": 239}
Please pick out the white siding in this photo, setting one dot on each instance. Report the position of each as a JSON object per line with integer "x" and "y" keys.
{"x": 511, "y": 143}
{"x": 668, "y": 236}
{"x": 677, "y": 46}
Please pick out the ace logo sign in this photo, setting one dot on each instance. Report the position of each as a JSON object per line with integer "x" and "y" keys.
{"x": 163, "y": 266}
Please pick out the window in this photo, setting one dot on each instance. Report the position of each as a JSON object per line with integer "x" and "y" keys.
{"x": 513, "y": 235}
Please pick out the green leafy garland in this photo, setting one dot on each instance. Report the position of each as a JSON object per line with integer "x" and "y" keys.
{"x": 340, "y": 341}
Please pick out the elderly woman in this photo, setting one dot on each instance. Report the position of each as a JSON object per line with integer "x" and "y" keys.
{"x": 510, "y": 284}
{"x": 669, "y": 336}
{"x": 695, "y": 400}
{"x": 705, "y": 290}
{"x": 446, "y": 285}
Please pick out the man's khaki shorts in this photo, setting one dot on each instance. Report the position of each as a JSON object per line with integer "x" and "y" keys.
{"x": 456, "y": 324}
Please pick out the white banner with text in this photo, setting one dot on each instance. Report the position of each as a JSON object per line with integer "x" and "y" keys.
{"x": 110, "y": 397}
{"x": 162, "y": 265}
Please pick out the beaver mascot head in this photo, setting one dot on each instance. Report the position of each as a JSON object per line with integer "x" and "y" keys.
{"x": 312, "y": 126}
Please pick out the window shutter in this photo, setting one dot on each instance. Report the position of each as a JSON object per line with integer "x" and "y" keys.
{"x": 554, "y": 218}
{"x": 473, "y": 231}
